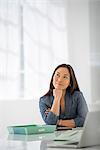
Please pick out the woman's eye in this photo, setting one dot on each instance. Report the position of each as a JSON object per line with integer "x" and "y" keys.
{"x": 57, "y": 75}
{"x": 66, "y": 77}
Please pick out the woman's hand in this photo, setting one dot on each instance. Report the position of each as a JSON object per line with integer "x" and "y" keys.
{"x": 47, "y": 111}
{"x": 67, "y": 123}
{"x": 57, "y": 93}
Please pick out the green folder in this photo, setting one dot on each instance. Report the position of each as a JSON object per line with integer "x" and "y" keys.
{"x": 31, "y": 129}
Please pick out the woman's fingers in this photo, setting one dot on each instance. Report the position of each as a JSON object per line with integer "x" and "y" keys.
{"x": 47, "y": 111}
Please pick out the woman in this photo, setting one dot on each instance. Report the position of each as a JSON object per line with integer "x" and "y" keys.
{"x": 64, "y": 103}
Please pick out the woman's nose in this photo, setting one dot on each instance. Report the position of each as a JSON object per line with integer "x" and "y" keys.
{"x": 59, "y": 79}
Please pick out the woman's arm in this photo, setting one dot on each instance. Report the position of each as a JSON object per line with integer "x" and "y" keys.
{"x": 47, "y": 115}
{"x": 82, "y": 110}
{"x": 81, "y": 113}
{"x": 51, "y": 115}
{"x": 67, "y": 123}
{"x": 56, "y": 103}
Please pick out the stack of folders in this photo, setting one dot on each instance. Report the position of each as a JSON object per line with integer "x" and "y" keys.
{"x": 31, "y": 129}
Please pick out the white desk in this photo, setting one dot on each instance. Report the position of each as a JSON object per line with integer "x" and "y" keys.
{"x": 31, "y": 142}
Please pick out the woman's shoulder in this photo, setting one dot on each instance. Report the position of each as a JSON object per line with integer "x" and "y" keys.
{"x": 45, "y": 98}
{"x": 77, "y": 93}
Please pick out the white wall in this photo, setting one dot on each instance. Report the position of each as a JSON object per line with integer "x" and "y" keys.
{"x": 95, "y": 48}
{"x": 79, "y": 43}
{"x": 83, "y": 25}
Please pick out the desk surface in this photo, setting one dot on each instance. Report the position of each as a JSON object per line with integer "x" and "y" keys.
{"x": 31, "y": 142}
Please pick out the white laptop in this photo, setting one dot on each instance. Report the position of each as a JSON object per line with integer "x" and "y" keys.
{"x": 89, "y": 135}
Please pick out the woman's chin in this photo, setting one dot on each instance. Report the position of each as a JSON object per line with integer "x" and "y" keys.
{"x": 59, "y": 88}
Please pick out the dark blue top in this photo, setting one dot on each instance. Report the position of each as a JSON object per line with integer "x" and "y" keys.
{"x": 75, "y": 108}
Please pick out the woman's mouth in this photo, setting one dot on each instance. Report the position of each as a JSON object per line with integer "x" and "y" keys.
{"x": 59, "y": 84}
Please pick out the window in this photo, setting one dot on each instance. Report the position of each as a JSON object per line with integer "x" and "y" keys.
{"x": 33, "y": 43}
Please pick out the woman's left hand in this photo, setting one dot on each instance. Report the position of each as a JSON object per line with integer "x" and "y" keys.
{"x": 47, "y": 111}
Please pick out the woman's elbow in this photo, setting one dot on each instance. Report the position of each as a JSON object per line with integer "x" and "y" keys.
{"x": 50, "y": 122}
{"x": 79, "y": 122}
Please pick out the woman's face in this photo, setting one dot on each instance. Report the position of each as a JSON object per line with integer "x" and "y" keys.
{"x": 61, "y": 78}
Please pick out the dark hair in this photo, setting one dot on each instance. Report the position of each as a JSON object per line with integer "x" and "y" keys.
{"x": 73, "y": 81}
